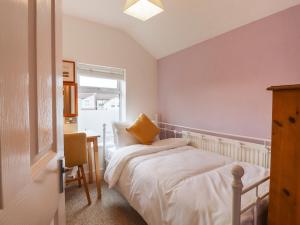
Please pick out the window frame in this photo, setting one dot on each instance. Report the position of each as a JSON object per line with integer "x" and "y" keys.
{"x": 120, "y": 91}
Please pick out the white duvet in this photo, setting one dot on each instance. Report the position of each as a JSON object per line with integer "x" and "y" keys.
{"x": 175, "y": 184}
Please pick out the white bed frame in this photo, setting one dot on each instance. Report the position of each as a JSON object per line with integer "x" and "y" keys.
{"x": 247, "y": 149}
{"x": 253, "y": 150}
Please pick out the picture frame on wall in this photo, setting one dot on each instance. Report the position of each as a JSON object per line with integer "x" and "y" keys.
{"x": 69, "y": 71}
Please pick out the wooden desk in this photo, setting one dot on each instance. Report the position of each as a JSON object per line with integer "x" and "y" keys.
{"x": 92, "y": 140}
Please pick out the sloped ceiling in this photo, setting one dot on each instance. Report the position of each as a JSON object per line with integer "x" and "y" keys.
{"x": 182, "y": 24}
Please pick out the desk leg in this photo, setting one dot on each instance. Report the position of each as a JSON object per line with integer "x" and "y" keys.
{"x": 97, "y": 168}
{"x": 90, "y": 162}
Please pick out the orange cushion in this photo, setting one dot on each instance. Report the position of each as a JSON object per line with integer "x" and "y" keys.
{"x": 144, "y": 130}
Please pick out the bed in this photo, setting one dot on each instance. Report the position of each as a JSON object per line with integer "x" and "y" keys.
{"x": 193, "y": 180}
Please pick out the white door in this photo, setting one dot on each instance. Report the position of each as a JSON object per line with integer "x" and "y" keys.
{"x": 31, "y": 117}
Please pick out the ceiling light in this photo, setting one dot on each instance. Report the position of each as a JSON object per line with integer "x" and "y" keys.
{"x": 143, "y": 9}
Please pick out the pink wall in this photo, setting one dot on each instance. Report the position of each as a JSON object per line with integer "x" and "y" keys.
{"x": 220, "y": 84}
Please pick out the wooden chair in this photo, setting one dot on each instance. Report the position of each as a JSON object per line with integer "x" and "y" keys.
{"x": 75, "y": 156}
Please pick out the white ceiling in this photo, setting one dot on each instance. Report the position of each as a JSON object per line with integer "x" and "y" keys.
{"x": 184, "y": 22}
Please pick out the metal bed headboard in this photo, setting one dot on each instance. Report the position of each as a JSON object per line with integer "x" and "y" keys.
{"x": 241, "y": 148}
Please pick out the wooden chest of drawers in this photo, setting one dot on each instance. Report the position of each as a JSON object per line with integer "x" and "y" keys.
{"x": 284, "y": 208}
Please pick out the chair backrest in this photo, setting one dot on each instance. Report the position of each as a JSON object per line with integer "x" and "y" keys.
{"x": 75, "y": 149}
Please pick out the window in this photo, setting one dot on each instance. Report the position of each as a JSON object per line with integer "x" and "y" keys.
{"x": 97, "y": 82}
{"x": 87, "y": 102}
{"x": 101, "y": 98}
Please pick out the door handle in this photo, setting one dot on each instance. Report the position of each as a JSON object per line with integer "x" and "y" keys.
{"x": 62, "y": 170}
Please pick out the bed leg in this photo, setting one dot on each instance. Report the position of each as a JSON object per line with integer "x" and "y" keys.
{"x": 237, "y": 187}
{"x": 257, "y": 216}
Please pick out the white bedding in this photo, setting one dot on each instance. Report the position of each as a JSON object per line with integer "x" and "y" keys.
{"x": 109, "y": 152}
{"x": 177, "y": 184}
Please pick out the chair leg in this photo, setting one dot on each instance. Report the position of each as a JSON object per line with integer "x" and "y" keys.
{"x": 79, "y": 177}
{"x": 86, "y": 188}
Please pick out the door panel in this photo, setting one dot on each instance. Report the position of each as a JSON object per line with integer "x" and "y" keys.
{"x": 14, "y": 124}
{"x": 31, "y": 117}
{"x": 35, "y": 203}
{"x": 44, "y": 75}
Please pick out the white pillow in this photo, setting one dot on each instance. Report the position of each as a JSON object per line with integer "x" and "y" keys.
{"x": 121, "y": 137}
{"x": 178, "y": 142}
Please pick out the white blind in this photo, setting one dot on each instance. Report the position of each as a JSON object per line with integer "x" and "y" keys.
{"x": 100, "y": 72}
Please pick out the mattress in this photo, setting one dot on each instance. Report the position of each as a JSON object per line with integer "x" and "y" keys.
{"x": 178, "y": 184}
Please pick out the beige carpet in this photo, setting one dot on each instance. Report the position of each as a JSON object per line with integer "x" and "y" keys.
{"x": 112, "y": 209}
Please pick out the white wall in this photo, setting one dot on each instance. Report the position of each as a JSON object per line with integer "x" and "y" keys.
{"x": 93, "y": 43}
